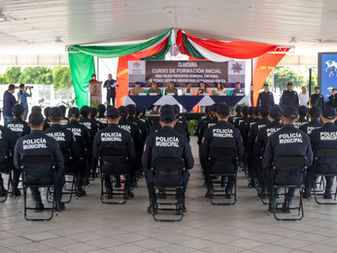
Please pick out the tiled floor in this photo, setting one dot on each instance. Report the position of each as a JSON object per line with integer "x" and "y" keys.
{"x": 89, "y": 226}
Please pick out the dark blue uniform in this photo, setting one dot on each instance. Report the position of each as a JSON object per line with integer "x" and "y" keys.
{"x": 289, "y": 98}
{"x": 19, "y": 126}
{"x": 265, "y": 99}
{"x": 102, "y": 122}
{"x": 317, "y": 100}
{"x": 222, "y": 135}
{"x": 66, "y": 141}
{"x": 325, "y": 138}
{"x": 311, "y": 126}
{"x": 166, "y": 142}
{"x": 82, "y": 138}
{"x": 332, "y": 101}
{"x": 113, "y": 137}
{"x": 7, "y": 143}
{"x": 38, "y": 143}
{"x": 288, "y": 141}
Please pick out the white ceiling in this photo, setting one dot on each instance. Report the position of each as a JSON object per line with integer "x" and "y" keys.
{"x": 37, "y": 25}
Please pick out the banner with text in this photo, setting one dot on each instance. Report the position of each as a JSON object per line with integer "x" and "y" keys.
{"x": 182, "y": 72}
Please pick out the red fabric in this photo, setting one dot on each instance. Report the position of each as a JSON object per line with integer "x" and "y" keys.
{"x": 123, "y": 72}
{"x": 233, "y": 49}
{"x": 265, "y": 64}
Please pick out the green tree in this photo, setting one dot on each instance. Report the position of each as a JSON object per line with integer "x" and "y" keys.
{"x": 283, "y": 75}
{"x": 61, "y": 77}
{"x": 13, "y": 74}
{"x": 3, "y": 79}
{"x": 37, "y": 75}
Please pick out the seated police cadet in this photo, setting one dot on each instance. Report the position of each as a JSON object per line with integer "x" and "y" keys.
{"x": 64, "y": 121}
{"x": 20, "y": 128}
{"x": 38, "y": 143}
{"x": 7, "y": 143}
{"x": 303, "y": 116}
{"x": 113, "y": 137}
{"x": 261, "y": 140}
{"x": 314, "y": 123}
{"x": 325, "y": 138}
{"x": 102, "y": 122}
{"x": 63, "y": 137}
{"x": 166, "y": 142}
{"x": 82, "y": 138}
{"x": 223, "y": 135}
{"x": 288, "y": 141}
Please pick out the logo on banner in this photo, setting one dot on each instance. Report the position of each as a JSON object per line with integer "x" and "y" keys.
{"x": 137, "y": 67}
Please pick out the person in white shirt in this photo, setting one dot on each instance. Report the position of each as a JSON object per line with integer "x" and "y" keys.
{"x": 188, "y": 90}
{"x": 303, "y": 97}
{"x": 219, "y": 90}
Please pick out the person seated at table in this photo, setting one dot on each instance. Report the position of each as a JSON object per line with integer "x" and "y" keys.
{"x": 219, "y": 90}
{"x": 202, "y": 89}
{"x": 154, "y": 89}
{"x": 137, "y": 90}
{"x": 238, "y": 91}
{"x": 188, "y": 90}
{"x": 171, "y": 89}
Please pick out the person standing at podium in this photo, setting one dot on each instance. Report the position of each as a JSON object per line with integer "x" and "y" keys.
{"x": 110, "y": 85}
{"x": 171, "y": 89}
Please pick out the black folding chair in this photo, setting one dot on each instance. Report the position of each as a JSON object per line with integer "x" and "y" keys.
{"x": 6, "y": 167}
{"x": 168, "y": 176}
{"x": 118, "y": 173}
{"x": 47, "y": 161}
{"x": 220, "y": 157}
{"x": 69, "y": 187}
{"x": 321, "y": 154}
{"x": 288, "y": 172}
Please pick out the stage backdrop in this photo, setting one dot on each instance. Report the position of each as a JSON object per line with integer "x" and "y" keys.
{"x": 181, "y": 72}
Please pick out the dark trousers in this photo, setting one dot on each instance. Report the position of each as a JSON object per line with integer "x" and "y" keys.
{"x": 150, "y": 182}
{"x": 58, "y": 181}
{"x": 111, "y": 96}
{"x": 269, "y": 177}
{"x": 1, "y": 180}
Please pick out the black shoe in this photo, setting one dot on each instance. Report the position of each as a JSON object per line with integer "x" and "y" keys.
{"x": 270, "y": 209}
{"x": 118, "y": 184}
{"x": 229, "y": 195}
{"x": 38, "y": 205}
{"x": 60, "y": 206}
{"x": 327, "y": 195}
{"x": 162, "y": 194}
{"x": 109, "y": 194}
{"x": 81, "y": 193}
{"x": 16, "y": 192}
{"x": 3, "y": 191}
{"x": 307, "y": 195}
{"x": 287, "y": 206}
{"x": 130, "y": 195}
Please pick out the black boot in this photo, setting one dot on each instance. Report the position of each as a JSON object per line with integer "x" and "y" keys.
{"x": 3, "y": 191}
{"x": 38, "y": 205}
{"x": 287, "y": 205}
{"x": 80, "y": 193}
{"x": 327, "y": 194}
{"x": 60, "y": 206}
{"x": 16, "y": 192}
{"x": 307, "y": 193}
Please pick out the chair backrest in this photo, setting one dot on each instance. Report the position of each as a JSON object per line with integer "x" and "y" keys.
{"x": 172, "y": 162}
{"x": 326, "y": 153}
{"x": 223, "y": 153}
{"x": 290, "y": 161}
{"x": 113, "y": 152}
{"x": 37, "y": 160}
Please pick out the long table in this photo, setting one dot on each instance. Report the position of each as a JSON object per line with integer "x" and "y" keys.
{"x": 188, "y": 102}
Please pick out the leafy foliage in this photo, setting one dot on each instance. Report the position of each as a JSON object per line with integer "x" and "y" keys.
{"x": 59, "y": 76}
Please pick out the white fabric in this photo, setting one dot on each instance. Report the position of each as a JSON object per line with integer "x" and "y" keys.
{"x": 166, "y": 100}
{"x": 303, "y": 98}
{"x": 128, "y": 101}
{"x": 245, "y": 100}
{"x": 206, "y": 101}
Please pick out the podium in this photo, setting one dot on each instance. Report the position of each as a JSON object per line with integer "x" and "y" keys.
{"x": 95, "y": 89}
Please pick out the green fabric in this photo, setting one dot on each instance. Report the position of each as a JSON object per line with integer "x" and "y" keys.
{"x": 160, "y": 55}
{"x": 117, "y": 51}
{"x": 82, "y": 66}
{"x": 195, "y": 53}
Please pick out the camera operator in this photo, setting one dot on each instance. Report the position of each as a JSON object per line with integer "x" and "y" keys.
{"x": 22, "y": 97}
